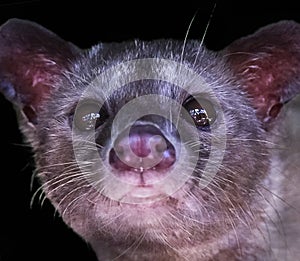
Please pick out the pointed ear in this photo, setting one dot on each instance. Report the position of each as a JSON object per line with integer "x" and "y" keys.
{"x": 268, "y": 64}
{"x": 31, "y": 59}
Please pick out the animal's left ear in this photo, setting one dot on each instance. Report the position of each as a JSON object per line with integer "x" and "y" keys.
{"x": 268, "y": 64}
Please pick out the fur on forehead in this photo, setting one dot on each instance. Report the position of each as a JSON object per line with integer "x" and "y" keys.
{"x": 191, "y": 53}
{"x": 97, "y": 65}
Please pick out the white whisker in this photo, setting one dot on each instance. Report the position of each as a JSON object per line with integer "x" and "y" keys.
{"x": 204, "y": 34}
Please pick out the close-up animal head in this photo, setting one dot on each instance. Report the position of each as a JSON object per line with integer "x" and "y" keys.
{"x": 161, "y": 149}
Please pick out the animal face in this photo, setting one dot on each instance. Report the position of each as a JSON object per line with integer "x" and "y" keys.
{"x": 142, "y": 143}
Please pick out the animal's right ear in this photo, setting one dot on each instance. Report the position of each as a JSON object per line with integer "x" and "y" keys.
{"x": 31, "y": 60}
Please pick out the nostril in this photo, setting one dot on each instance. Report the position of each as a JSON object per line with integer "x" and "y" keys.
{"x": 119, "y": 149}
{"x": 116, "y": 162}
{"x": 160, "y": 148}
{"x": 168, "y": 158}
{"x": 158, "y": 144}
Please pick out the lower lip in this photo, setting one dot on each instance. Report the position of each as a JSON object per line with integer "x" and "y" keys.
{"x": 144, "y": 194}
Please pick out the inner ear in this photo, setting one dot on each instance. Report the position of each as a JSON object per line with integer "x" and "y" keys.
{"x": 268, "y": 65}
{"x": 32, "y": 59}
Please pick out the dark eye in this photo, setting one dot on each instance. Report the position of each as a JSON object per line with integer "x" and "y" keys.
{"x": 201, "y": 111}
{"x": 89, "y": 116}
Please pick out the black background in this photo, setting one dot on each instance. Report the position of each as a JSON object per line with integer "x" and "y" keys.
{"x": 36, "y": 233}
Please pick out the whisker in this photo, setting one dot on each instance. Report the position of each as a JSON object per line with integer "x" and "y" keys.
{"x": 79, "y": 187}
{"x": 134, "y": 246}
{"x": 233, "y": 225}
{"x": 73, "y": 202}
{"x": 185, "y": 38}
{"x": 280, "y": 198}
{"x": 204, "y": 34}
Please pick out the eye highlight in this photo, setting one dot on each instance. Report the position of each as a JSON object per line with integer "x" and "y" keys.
{"x": 201, "y": 111}
{"x": 89, "y": 116}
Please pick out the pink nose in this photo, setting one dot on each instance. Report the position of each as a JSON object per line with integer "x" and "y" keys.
{"x": 144, "y": 148}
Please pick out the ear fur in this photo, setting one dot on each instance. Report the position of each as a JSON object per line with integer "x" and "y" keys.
{"x": 268, "y": 64}
{"x": 31, "y": 58}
